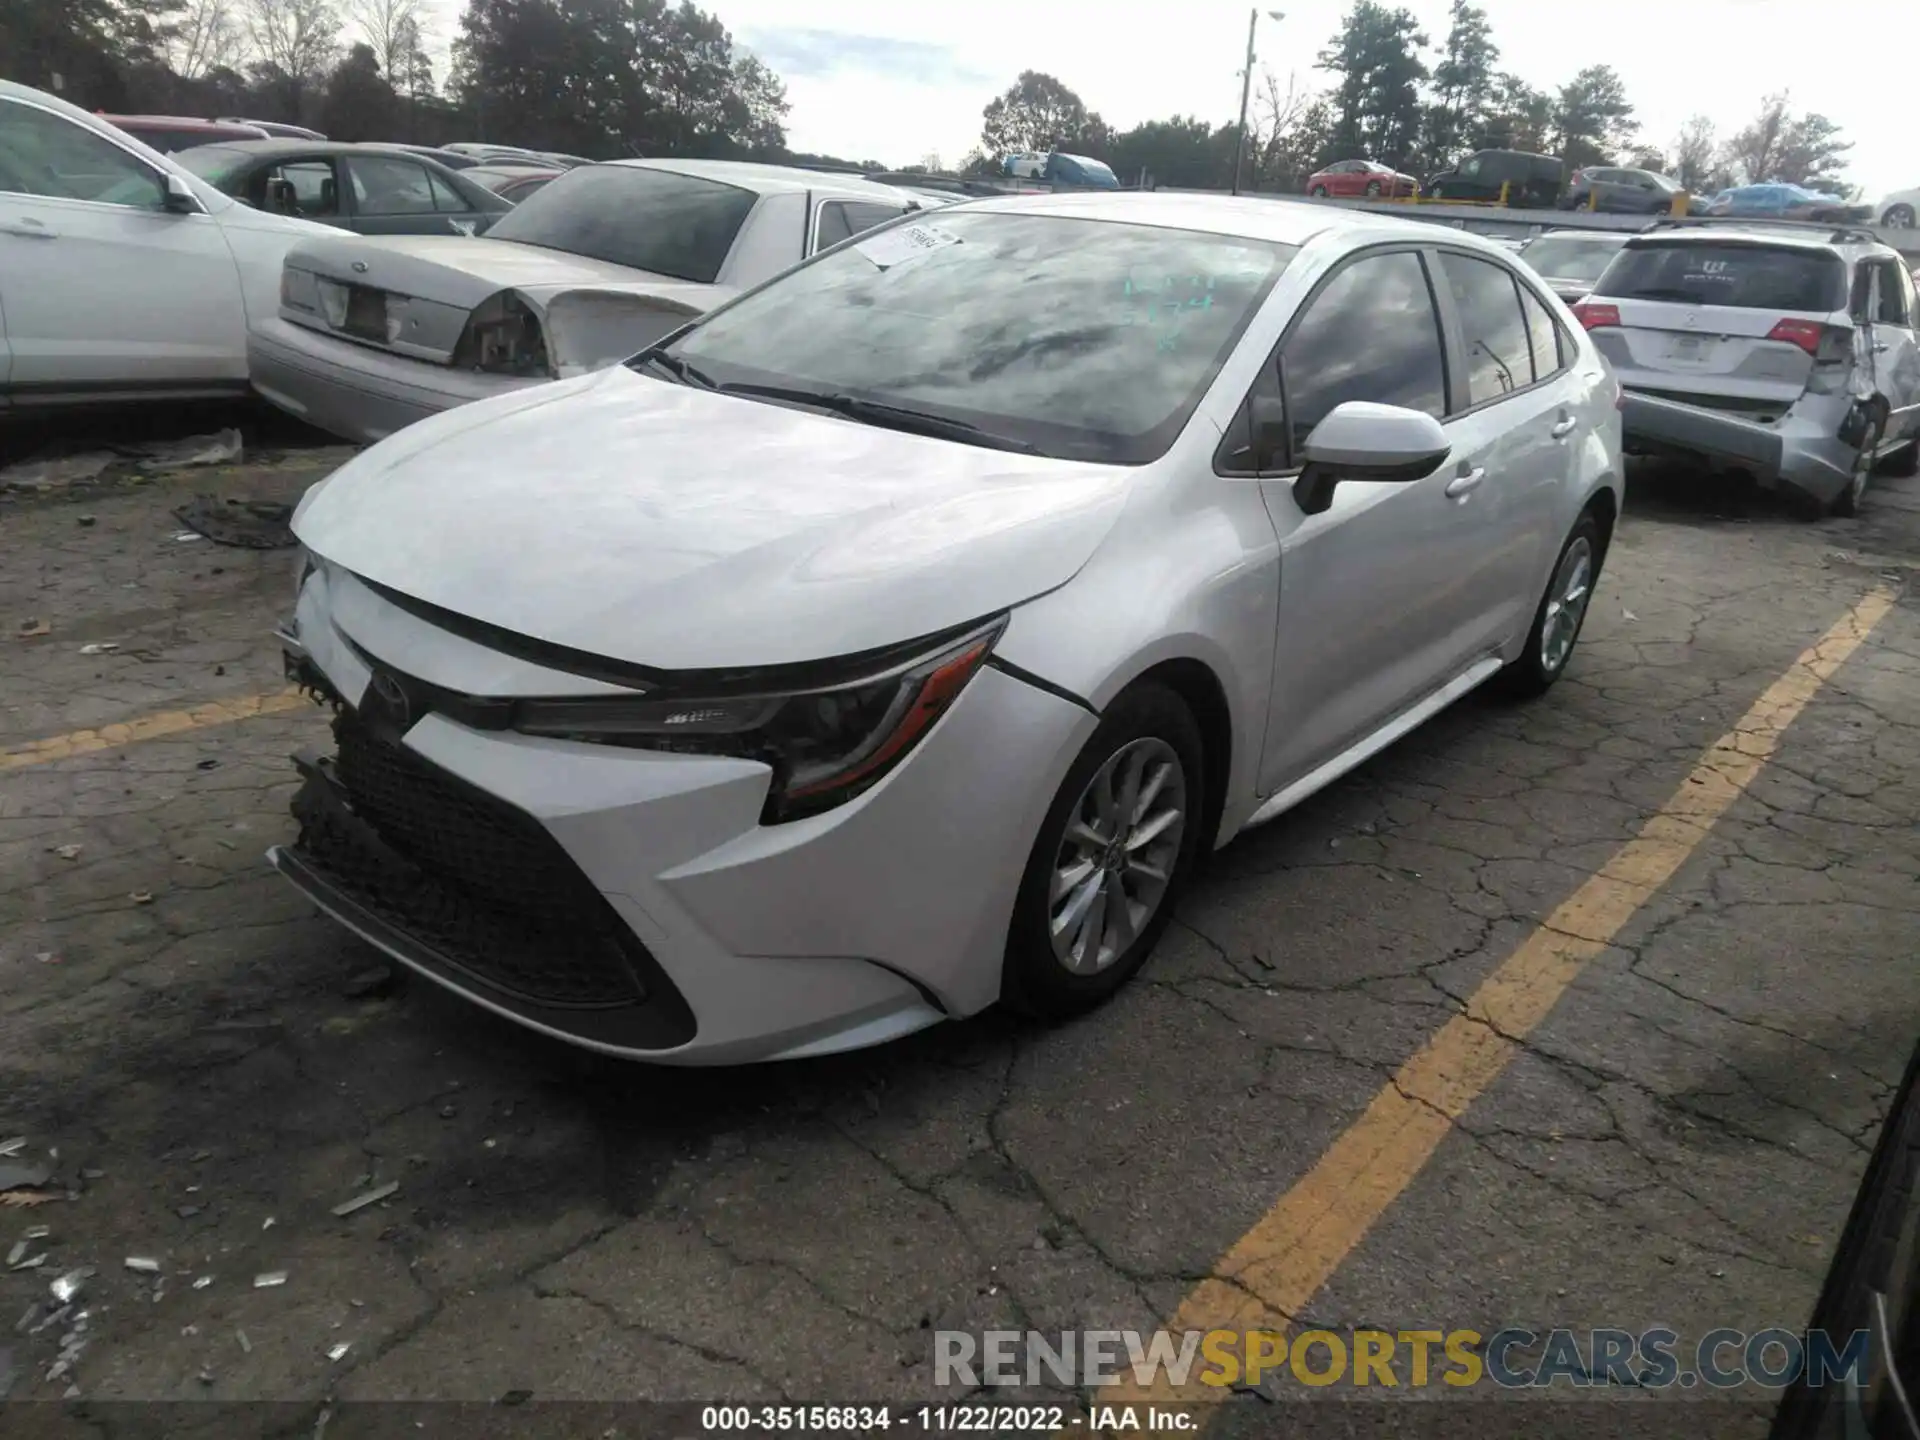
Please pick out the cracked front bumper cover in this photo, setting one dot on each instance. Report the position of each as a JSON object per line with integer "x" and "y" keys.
{"x": 512, "y": 927}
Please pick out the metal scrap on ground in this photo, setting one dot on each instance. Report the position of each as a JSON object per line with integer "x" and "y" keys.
{"x": 248, "y": 524}
{"x": 366, "y": 1198}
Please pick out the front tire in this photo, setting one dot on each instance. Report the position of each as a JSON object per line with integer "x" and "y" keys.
{"x": 1373, "y": 189}
{"x": 1318, "y": 192}
{"x": 1898, "y": 217}
{"x": 1559, "y": 616}
{"x": 1111, "y": 857}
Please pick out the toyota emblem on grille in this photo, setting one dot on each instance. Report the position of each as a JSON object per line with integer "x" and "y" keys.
{"x": 392, "y": 697}
{"x": 359, "y": 267}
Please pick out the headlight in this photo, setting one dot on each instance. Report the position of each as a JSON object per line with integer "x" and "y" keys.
{"x": 825, "y": 745}
{"x": 503, "y": 337}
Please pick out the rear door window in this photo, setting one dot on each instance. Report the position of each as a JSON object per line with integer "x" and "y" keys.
{"x": 843, "y": 219}
{"x": 1743, "y": 276}
{"x": 1543, "y": 336}
{"x": 656, "y": 220}
{"x": 389, "y": 187}
{"x": 1493, "y": 327}
{"x": 1890, "y": 302}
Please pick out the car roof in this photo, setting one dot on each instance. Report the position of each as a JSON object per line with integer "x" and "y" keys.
{"x": 1760, "y": 232}
{"x": 1288, "y": 222}
{"x": 766, "y": 179}
{"x": 181, "y": 122}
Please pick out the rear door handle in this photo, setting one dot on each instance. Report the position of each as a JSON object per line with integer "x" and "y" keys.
{"x": 1465, "y": 483}
{"x": 1564, "y": 428}
{"x": 28, "y": 230}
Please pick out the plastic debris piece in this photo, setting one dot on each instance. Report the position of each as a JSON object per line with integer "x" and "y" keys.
{"x": 246, "y": 1345}
{"x": 143, "y": 1264}
{"x": 31, "y": 1264}
{"x": 18, "y": 1175}
{"x": 23, "y": 1199}
{"x": 104, "y": 647}
{"x": 52, "y": 471}
{"x": 186, "y": 1212}
{"x": 203, "y": 1282}
{"x": 189, "y": 1329}
{"x": 14, "y": 1255}
{"x": 141, "y": 897}
{"x": 67, "y": 852}
{"x": 222, "y": 447}
{"x": 237, "y": 521}
{"x": 267, "y": 1224}
{"x": 206, "y": 1377}
{"x": 32, "y": 629}
{"x": 1628, "y": 615}
{"x": 267, "y": 1279}
{"x": 338, "y": 1352}
{"x": 10, "y": 1148}
{"x": 36, "y": 1232}
{"x": 366, "y": 1198}
{"x": 69, "y": 1285}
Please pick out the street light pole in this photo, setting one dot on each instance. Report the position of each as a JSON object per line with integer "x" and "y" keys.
{"x": 1246, "y": 90}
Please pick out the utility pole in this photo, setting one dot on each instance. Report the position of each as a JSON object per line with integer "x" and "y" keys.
{"x": 1246, "y": 90}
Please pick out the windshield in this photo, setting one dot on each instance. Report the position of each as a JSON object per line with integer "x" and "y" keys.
{"x": 1746, "y": 277}
{"x": 1570, "y": 257}
{"x": 212, "y": 163}
{"x": 1083, "y": 339}
{"x": 676, "y": 225}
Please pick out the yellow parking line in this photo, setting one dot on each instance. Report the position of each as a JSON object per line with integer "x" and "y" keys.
{"x": 1267, "y": 1278}
{"x": 149, "y": 727}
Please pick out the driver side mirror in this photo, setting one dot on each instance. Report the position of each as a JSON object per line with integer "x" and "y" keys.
{"x": 178, "y": 197}
{"x": 1361, "y": 440}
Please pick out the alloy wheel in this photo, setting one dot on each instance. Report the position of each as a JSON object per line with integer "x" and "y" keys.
{"x": 1567, "y": 601}
{"x": 1898, "y": 217}
{"x": 1118, "y": 855}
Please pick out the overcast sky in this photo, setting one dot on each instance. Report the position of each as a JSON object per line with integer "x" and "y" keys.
{"x": 896, "y": 82}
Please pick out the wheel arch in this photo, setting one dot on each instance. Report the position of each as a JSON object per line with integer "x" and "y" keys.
{"x": 1201, "y": 691}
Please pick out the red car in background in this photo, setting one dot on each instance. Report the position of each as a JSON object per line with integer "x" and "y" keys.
{"x": 1361, "y": 178}
{"x": 168, "y": 133}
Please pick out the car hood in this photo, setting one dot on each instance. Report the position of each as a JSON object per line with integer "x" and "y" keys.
{"x": 463, "y": 270}
{"x": 668, "y": 526}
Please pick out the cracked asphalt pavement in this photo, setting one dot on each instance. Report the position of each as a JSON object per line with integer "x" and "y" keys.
{"x": 209, "y": 1067}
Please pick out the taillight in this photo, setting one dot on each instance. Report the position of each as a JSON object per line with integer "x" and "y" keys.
{"x": 503, "y": 337}
{"x": 1807, "y": 334}
{"x": 1594, "y": 317}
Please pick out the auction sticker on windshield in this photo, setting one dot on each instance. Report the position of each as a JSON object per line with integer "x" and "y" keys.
{"x": 900, "y": 244}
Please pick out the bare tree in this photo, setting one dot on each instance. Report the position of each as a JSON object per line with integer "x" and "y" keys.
{"x": 1695, "y": 151}
{"x": 294, "y": 39}
{"x": 206, "y": 36}
{"x": 397, "y": 32}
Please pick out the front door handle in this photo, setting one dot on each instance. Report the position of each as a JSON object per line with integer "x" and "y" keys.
{"x": 1465, "y": 483}
{"x": 1564, "y": 428}
{"x": 28, "y": 230}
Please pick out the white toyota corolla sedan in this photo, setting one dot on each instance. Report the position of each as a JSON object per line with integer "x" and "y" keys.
{"x": 893, "y": 640}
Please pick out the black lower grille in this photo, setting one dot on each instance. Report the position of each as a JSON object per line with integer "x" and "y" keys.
{"x": 481, "y": 883}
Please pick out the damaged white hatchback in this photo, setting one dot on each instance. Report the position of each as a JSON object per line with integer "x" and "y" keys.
{"x": 373, "y": 333}
{"x": 893, "y": 640}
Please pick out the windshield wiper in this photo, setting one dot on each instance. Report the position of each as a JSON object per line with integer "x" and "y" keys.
{"x": 680, "y": 370}
{"x": 888, "y": 417}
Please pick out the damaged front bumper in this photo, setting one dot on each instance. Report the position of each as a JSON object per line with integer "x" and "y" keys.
{"x": 1802, "y": 450}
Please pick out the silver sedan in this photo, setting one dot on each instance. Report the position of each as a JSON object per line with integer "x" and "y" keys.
{"x": 896, "y": 639}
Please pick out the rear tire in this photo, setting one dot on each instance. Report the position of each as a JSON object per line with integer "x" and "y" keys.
{"x": 1095, "y": 854}
{"x": 1559, "y": 616}
{"x": 1898, "y": 217}
{"x": 1373, "y": 188}
{"x": 1847, "y": 503}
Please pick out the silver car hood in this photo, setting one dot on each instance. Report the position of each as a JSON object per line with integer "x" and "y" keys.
{"x": 672, "y": 527}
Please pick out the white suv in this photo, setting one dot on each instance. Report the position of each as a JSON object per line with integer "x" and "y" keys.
{"x": 1785, "y": 350}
